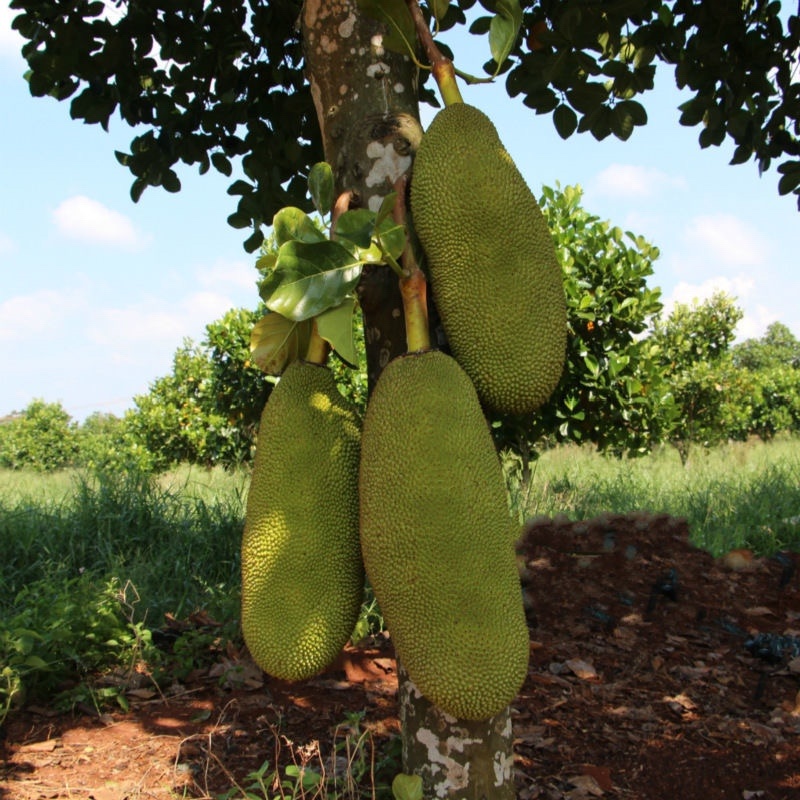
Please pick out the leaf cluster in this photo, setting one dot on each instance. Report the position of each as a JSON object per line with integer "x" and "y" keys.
{"x": 215, "y": 85}
{"x": 310, "y": 270}
{"x": 222, "y": 86}
{"x": 60, "y": 634}
{"x": 588, "y": 63}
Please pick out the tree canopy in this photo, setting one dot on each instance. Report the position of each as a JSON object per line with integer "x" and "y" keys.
{"x": 224, "y": 87}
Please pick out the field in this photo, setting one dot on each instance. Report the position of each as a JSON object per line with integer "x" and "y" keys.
{"x": 113, "y": 585}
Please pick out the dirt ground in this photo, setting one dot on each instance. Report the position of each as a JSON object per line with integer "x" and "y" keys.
{"x": 656, "y": 672}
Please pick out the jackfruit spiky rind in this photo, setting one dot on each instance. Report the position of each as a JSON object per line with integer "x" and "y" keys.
{"x": 437, "y": 539}
{"x": 492, "y": 264}
{"x": 302, "y": 574}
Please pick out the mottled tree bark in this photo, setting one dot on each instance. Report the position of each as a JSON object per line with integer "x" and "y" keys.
{"x": 366, "y": 100}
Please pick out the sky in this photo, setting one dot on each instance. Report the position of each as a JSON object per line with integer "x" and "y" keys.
{"x": 98, "y": 292}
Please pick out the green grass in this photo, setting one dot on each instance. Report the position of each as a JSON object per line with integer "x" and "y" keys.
{"x": 736, "y": 495}
{"x": 92, "y": 563}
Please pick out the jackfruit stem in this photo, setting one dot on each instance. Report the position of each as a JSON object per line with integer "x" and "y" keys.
{"x": 442, "y": 67}
{"x": 318, "y": 348}
{"x": 414, "y": 291}
{"x": 413, "y": 285}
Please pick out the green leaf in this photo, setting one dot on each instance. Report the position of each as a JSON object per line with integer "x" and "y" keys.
{"x": 310, "y": 278}
{"x": 335, "y": 326}
{"x": 266, "y": 262}
{"x": 276, "y": 341}
{"x": 356, "y": 226}
{"x": 438, "y": 8}
{"x": 320, "y": 185}
{"x": 407, "y": 787}
{"x": 504, "y": 30}
{"x": 293, "y": 224}
{"x": 592, "y": 365}
{"x": 565, "y": 120}
{"x": 401, "y": 34}
{"x": 392, "y": 237}
{"x": 387, "y": 206}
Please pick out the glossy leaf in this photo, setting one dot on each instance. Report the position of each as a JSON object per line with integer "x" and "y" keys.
{"x": 293, "y": 224}
{"x": 276, "y": 341}
{"x": 356, "y": 227}
{"x": 504, "y": 30}
{"x": 310, "y": 278}
{"x": 336, "y": 326}
{"x": 320, "y": 186}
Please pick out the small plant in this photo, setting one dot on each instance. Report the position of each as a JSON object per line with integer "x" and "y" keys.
{"x": 61, "y": 635}
{"x": 352, "y": 771}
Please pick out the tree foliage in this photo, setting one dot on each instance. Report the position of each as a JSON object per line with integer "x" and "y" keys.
{"x": 612, "y": 393}
{"x": 778, "y": 347}
{"x": 723, "y": 391}
{"x": 206, "y": 410}
{"x": 222, "y": 86}
{"x": 42, "y": 437}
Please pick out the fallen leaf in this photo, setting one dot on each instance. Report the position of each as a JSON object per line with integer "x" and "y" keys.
{"x": 582, "y": 669}
{"x": 586, "y": 786}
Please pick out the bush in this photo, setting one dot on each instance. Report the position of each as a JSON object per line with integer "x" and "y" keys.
{"x": 43, "y": 438}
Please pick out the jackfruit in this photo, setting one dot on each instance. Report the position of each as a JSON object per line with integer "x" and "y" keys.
{"x": 492, "y": 264}
{"x": 302, "y": 574}
{"x": 437, "y": 538}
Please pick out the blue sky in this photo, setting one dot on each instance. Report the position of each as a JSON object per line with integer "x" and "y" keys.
{"x": 97, "y": 292}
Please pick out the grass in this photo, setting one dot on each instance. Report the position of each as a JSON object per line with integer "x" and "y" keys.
{"x": 91, "y": 564}
{"x": 743, "y": 494}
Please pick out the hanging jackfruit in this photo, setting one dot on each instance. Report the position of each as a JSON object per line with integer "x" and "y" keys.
{"x": 302, "y": 574}
{"x": 437, "y": 538}
{"x": 491, "y": 260}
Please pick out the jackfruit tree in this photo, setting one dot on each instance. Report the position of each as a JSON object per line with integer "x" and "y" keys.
{"x": 261, "y": 90}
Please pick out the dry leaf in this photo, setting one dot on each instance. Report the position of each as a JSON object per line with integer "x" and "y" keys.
{"x": 583, "y": 670}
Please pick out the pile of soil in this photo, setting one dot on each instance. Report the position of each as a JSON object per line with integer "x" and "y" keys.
{"x": 656, "y": 672}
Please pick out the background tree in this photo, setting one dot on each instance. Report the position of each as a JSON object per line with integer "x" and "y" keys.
{"x": 42, "y": 437}
{"x": 772, "y": 364}
{"x": 694, "y": 345}
{"x": 778, "y": 347}
{"x": 612, "y": 393}
{"x": 206, "y": 410}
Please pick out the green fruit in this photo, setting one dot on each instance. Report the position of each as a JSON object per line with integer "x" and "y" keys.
{"x": 302, "y": 574}
{"x": 496, "y": 280}
{"x": 437, "y": 538}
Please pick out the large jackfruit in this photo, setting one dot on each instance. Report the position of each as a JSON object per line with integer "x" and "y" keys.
{"x": 302, "y": 574}
{"x": 491, "y": 261}
{"x": 437, "y": 539}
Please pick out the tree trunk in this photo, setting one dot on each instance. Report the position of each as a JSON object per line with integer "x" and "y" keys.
{"x": 366, "y": 101}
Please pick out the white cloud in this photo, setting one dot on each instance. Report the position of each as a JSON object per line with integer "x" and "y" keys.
{"x": 739, "y": 287}
{"x": 634, "y": 181}
{"x": 156, "y": 324}
{"x": 38, "y": 315}
{"x": 239, "y": 273}
{"x": 86, "y": 220}
{"x": 756, "y": 317}
{"x": 727, "y": 239}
